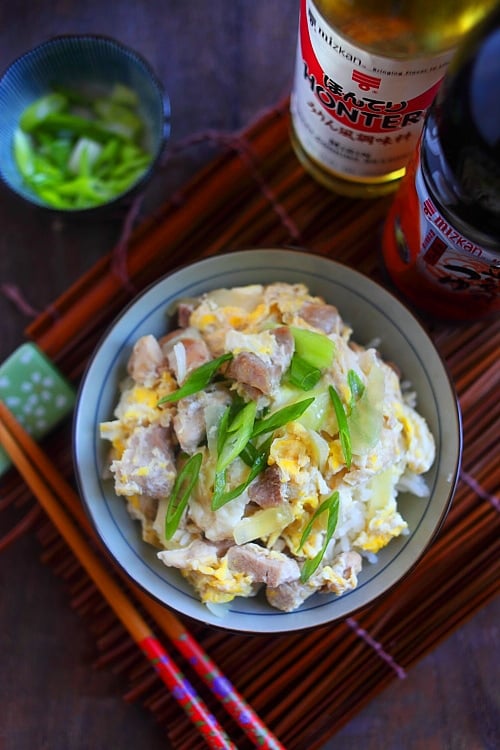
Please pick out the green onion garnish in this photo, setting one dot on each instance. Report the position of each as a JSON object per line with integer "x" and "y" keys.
{"x": 183, "y": 486}
{"x": 249, "y": 454}
{"x": 356, "y": 386}
{"x": 36, "y": 112}
{"x": 219, "y": 487}
{"x": 81, "y": 151}
{"x": 220, "y": 497}
{"x": 197, "y": 380}
{"x": 302, "y": 374}
{"x": 344, "y": 433}
{"x": 237, "y": 435}
{"x": 281, "y": 417}
{"x": 331, "y": 504}
{"x": 316, "y": 348}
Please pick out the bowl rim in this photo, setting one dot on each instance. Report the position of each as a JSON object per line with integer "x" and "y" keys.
{"x": 165, "y": 125}
{"x": 285, "y": 621}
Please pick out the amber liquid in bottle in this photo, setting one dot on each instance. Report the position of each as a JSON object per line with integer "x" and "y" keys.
{"x": 345, "y": 47}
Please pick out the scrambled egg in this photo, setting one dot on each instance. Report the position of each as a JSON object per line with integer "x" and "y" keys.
{"x": 224, "y": 551}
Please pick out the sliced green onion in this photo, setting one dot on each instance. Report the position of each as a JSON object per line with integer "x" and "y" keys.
{"x": 68, "y": 139}
{"x": 197, "y": 380}
{"x": 184, "y": 484}
{"x": 356, "y": 386}
{"x": 344, "y": 433}
{"x": 238, "y": 434}
{"x": 259, "y": 463}
{"x": 281, "y": 417}
{"x": 121, "y": 119}
{"x": 302, "y": 374}
{"x": 222, "y": 428}
{"x": 24, "y": 154}
{"x": 249, "y": 454}
{"x": 40, "y": 109}
{"x": 366, "y": 418}
{"x": 331, "y": 505}
{"x": 315, "y": 348}
{"x": 219, "y": 487}
{"x": 84, "y": 156}
{"x": 57, "y": 152}
{"x": 124, "y": 95}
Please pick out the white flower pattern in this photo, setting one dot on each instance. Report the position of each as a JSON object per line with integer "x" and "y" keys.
{"x": 34, "y": 391}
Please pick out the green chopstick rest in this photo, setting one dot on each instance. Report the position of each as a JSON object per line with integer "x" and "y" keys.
{"x": 35, "y": 392}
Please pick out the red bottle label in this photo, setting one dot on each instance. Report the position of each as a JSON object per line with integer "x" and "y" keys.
{"x": 353, "y": 111}
{"x": 450, "y": 259}
{"x": 434, "y": 264}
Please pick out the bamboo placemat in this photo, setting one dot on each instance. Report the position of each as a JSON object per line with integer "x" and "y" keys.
{"x": 307, "y": 685}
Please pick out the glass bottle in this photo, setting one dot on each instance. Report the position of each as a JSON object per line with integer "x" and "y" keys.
{"x": 441, "y": 241}
{"x": 366, "y": 72}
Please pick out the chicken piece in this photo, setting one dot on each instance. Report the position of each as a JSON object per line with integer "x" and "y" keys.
{"x": 264, "y": 372}
{"x": 267, "y": 490}
{"x": 341, "y": 575}
{"x": 184, "y": 311}
{"x": 263, "y": 565}
{"x": 205, "y": 567}
{"x": 147, "y": 465}
{"x": 250, "y": 370}
{"x": 189, "y": 421}
{"x": 219, "y": 524}
{"x": 192, "y": 557}
{"x": 185, "y": 350}
{"x": 284, "y": 349}
{"x": 289, "y": 596}
{"x": 146, "y": 361}
{"x": 322, "y": 316}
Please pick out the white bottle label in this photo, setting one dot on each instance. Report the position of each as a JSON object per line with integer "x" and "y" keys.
{"x": 448, "y": 258}
{"x": 357, "y": 113}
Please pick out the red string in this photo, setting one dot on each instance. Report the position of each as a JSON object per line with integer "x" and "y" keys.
{"x": 376, "y": 646}
{"x": 24, "y": 525}
{"x": 14, "y": 294}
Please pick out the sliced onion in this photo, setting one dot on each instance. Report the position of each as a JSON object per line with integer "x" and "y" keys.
{"x": 365, "y": 420}
{"x": 180, "y": 355}
{"x": 321, "y": 448}
{"x": 263, "y": 523}
{"x": 219, "y": 609}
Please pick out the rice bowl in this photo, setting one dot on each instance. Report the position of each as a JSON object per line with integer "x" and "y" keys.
{"x": 372, "y": 314}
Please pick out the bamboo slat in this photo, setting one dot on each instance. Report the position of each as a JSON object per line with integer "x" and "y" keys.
{"x": 305, "y": 686}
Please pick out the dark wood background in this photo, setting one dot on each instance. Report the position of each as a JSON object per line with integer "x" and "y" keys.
{"x": 222, "y": 63}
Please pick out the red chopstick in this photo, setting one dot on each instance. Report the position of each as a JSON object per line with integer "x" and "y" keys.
{"x": 178, "y": 634}
{"x": 213, "y": 734}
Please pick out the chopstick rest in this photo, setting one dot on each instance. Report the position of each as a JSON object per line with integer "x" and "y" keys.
{"x": 35, "y": 392}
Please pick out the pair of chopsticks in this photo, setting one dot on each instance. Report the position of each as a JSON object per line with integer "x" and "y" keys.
{"x": 56, "y": 496}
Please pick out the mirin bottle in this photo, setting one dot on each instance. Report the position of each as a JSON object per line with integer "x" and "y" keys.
{"x": 366, "y": 72}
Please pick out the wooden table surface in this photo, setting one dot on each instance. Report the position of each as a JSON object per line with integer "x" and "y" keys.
{"x": 222, "y": 64}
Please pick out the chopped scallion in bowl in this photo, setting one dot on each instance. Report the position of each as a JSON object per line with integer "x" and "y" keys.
{"x": 83, "y": 123}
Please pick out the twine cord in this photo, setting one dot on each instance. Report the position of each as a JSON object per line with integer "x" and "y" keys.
{"x": 377, "y": 647}
{"x": 482, "y": 493}
{"x": 13, "y": 293}
{"x": 119, "y": 256}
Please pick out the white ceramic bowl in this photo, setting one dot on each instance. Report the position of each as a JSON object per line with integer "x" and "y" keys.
{"x": 372, "y": 313}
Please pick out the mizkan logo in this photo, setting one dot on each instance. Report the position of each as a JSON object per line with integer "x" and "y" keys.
{"x": 366, "y": 82}
{"x": 355, "y": 102}
{"x": 454, "y": 237}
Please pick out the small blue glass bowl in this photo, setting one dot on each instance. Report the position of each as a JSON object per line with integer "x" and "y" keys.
{"x": 74, "y": 62}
